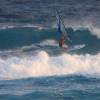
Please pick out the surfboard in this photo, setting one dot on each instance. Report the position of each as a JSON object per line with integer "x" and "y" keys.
{"x": 76, "y": 47}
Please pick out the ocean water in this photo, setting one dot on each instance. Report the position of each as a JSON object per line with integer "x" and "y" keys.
{"x": 33, "y": 67}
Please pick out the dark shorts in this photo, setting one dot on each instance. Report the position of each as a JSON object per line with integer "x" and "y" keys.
{"x": 60, "y": 44}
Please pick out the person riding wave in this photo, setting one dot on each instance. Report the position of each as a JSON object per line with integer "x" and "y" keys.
{"x": 61, "y": 43}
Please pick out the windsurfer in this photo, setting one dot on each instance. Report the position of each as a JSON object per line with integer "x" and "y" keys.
{"x": 61, "y": 43}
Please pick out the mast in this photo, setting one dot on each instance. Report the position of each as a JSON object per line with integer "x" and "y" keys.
{"x": 61, "y": 26}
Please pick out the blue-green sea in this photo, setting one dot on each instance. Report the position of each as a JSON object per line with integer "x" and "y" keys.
{"x": 33, "y": 66}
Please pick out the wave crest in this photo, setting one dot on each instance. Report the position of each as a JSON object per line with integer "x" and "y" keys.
{"x": 42, "y": 64}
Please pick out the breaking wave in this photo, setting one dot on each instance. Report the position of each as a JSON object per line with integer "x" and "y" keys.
{"x": 42, "y": 65}
{"x": 16, "y": 41}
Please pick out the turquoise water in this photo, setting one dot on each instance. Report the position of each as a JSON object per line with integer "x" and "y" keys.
{"x": 55, "y": 88}
{"x": 20, "y": 37}
{"x": 33, "y": 67}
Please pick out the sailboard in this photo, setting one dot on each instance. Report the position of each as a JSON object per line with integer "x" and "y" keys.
{"x": 63, "y": 32}
{"x": 76, "y": 47}
{"x": 61, "y": 26}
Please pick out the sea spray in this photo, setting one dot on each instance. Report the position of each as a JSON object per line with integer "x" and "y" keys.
{"x": 42, "y": 65}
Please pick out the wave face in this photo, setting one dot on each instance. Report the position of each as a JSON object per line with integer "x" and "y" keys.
{"x": 19, "y": 37}
{"x": 30, "y": 52}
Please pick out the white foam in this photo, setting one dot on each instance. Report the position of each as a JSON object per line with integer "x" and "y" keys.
{"x": 21, "y": 25}
{"x": 42, "y": 64}
{"x": 82, "y": 25}
{"x": 95, "y": 31}
{"x": 50, "y": 42}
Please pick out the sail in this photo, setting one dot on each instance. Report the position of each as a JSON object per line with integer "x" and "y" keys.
{"x": 61, "y": 26}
